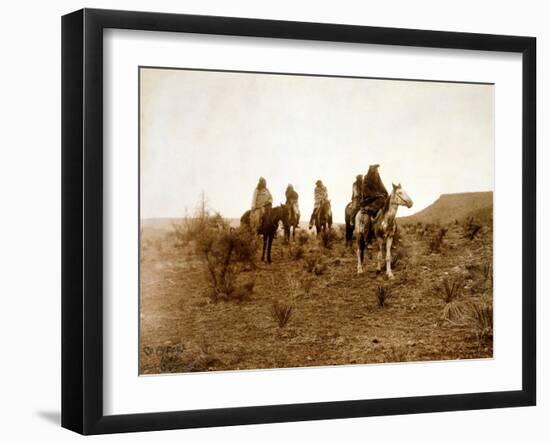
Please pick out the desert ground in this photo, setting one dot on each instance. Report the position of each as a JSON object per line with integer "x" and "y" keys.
{"x": 309, "y": 307}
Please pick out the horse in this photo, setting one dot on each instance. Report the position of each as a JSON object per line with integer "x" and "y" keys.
{"x": 349, "y": 226}
{"x": 323, "y": 217}
{"x": 293, "y": 221}
{"x": 382, "y": 228}
{"x": 269, "y": 226}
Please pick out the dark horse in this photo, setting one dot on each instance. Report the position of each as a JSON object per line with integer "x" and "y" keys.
{"x": 269, "y": 227}
{"x": 293, "y": 221}
{"x": 323, "y": 217}
{"x": 349, "y": 225}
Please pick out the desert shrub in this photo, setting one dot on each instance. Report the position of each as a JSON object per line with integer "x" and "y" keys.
{"x": 471, "y": 229}
{"x": 483, "y": 274}
{"x": 383, "y": 294}
{"x": 327, "y": 238}
{"x": 194, "y": 228}
{"x": 297, "y": 252}
{"x": 224, "y": 251}
{"x": 450, "y": 291}
{"x": 482, "y": 317}
{"x": 320, "y": 267}
{"x": 486, "y": 270}
{"x": 396, "y": 259}
{"x": 244, "y": 291}
{"x": 436, "y": 241}
{"x": 421, "y": 231}
{"x": 281, "y": 313}
{"x": 302, "y": 238}
{"x": 340, "y": 232}
{"x": 310, "y": 261}
{"x": 409, "y": 228}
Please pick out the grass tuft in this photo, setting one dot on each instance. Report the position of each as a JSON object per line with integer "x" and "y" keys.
{"x": 383, "y": 294}
{"x": 281, "y": 313}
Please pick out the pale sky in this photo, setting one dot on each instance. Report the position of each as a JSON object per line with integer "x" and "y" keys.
{"x": 218, "y": 132}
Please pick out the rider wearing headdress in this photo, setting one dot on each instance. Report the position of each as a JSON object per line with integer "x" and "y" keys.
{"x": 261, "y": 203}
{"x": 320, "y": 194}
{"x": 292, "y": 200}
{"x": 374, "y": 192}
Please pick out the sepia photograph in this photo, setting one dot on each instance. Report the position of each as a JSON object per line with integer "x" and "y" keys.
{"x": 292, "y": 220}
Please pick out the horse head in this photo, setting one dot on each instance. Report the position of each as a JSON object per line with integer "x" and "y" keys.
{"x": 400, "y": 197}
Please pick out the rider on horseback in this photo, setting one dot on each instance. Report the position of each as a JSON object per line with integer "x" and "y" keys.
{"x": 374, "y": 193}
{"x": 261, "y": 204}
{"x": 320, "y": 194}
{"x": 292, "y": 200}
{"x": 356, "y": 197}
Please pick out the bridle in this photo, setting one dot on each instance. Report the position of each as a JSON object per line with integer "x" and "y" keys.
{"x": 400, "y": 200}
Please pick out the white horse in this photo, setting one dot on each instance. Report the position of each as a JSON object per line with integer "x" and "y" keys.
{"x": 383, "y": 228}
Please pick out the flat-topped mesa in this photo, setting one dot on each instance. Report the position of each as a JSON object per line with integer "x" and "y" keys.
{"x": 450, "y": 207}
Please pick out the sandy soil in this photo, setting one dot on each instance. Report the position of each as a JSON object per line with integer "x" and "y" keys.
{"x": 335, "y": 317}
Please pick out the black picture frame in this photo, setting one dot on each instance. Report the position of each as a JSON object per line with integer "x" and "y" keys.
{"x": 82, "y": 219}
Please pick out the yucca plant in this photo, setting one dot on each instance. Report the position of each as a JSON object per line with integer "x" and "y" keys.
{"x": 453, "y": 310}
{"x": 487, "y": 272}
{"x": 281, "y": 313}
{"x": 383, "y": 294}
{"x": 482, "y": 316}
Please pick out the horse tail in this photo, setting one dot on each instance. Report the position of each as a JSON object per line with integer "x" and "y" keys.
{"x": 349, "y": 231}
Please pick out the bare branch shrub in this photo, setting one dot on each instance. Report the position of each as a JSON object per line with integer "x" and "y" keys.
{"x": 224, "y": 251}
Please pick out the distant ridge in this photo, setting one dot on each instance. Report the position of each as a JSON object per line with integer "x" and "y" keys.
{"x": 451, "y": 207}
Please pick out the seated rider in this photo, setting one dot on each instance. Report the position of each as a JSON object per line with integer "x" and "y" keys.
{"x": 374, "y": 192}
{"x": 261, "y": 203}
{"x": 320, "y": 194}
{"x": 292, "y": 200}
{"x": 356, "y": 197}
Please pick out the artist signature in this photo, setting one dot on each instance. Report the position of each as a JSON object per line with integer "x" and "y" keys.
{"x": 164, "y": 349}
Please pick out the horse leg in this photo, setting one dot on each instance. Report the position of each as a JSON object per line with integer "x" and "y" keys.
{"x": 380, "y": 256}
{"x": 349, "y": 235}
{"x": 264, "y": 247}
{"x": 360, "y": 253}
{"x": 389, "y": 273}
{"x": 269, "y": 243}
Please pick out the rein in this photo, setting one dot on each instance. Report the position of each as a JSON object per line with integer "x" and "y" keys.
{"x": 400, "y": 201}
